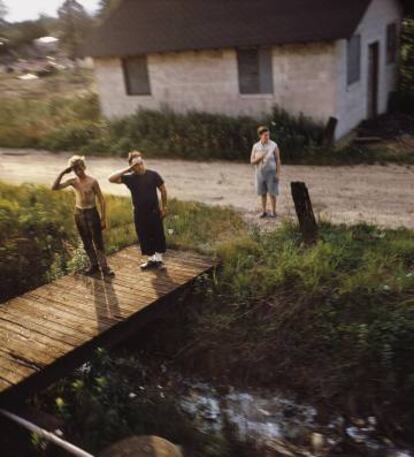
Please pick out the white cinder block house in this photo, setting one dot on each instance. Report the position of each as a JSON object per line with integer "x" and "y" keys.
{"x": 321, "y": 58}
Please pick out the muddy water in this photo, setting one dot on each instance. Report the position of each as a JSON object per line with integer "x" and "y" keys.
{"x": 272, "y": 420}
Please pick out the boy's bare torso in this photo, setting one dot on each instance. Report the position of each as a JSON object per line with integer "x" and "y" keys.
{"x": 85, "y": 191}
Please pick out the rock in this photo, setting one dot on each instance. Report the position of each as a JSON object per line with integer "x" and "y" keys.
{"x": 317, "y": 442}
{"x": 142, "y": 446}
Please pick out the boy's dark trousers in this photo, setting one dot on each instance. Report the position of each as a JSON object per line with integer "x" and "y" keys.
{"x": 89, "y": 227}
{"x": 150, "y": 231}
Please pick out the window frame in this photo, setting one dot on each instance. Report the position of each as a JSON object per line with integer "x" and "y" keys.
{"x": 264, "y": 85}
{"x": 350, "y": 77}
{"x": 129, "y": 89}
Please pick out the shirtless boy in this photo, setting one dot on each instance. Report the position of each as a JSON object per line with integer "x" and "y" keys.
{"x": 88, "y": 221}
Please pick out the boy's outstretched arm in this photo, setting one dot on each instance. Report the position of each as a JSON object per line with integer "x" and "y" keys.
{"x": 57, "y": 184}
{"x": 116, "y": 178}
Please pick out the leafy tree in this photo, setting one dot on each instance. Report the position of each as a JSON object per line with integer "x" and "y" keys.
{"x": 3, "y": 10}
{"x": 407, "y": 55}
{"x": 75, "y": 24}
{"x": 25, "y": 32}
{"x": 106, "y": 6}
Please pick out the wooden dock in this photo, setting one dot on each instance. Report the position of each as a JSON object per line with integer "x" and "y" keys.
{"x": 47, "y": 332}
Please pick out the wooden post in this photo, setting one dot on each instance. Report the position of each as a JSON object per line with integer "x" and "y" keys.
{"x": 328, "y": 138}
{"x": 304, "y": 211}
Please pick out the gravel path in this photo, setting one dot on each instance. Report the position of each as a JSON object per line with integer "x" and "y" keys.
{"x": 371, "y": 193}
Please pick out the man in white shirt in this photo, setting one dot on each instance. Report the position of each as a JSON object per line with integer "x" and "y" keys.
{"x": 265, "y": 157}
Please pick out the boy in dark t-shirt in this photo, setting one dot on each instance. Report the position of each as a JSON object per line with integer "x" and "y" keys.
{"x": 148, "y": 214}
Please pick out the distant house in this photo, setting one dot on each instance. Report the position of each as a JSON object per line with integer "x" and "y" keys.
{"x": 321, "y": 58}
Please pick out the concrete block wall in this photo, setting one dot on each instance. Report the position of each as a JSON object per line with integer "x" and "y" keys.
{"x": 208, "y": 81}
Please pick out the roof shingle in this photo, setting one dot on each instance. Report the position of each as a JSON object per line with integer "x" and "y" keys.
{"x": 146, "y": 26}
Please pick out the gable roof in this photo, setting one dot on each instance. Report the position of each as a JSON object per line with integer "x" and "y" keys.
{"x": 146, "y": 26}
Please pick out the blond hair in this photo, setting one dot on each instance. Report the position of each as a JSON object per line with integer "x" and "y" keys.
{"x": 77, "y": 160}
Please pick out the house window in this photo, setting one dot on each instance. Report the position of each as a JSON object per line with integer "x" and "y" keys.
{"x": 255, "y": 71}
{"x": 354, "y": 59}
{"x": 392, "y": 43}
{"x": 136, "y": 75}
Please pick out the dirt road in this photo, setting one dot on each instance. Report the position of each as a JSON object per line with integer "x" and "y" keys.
{"x": 377, "y": 194}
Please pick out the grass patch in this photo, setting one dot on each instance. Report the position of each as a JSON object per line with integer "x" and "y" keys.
{"x": 38, "y": 238}
{"x": 334, "y": 321}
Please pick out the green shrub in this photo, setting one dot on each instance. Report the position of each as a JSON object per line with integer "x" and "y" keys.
{"x": 28, "y": 122}
{"x": 334, "y": 320}
{"x": 204, "y": 136}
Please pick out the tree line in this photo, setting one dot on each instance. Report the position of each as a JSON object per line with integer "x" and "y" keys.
{"x": 71, "y": 26}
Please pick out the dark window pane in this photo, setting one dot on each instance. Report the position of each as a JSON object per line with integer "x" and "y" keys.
{"x": 255, "y": 71}
{"x": 136, "y": 75}
{"x": 248, "y": 62}
{"x": 354, "y": 59}
{"x": 265, "y": 71}
{"x": 392, "y": 43}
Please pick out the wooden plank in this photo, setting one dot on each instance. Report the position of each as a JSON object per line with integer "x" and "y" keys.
{"x": 59, "y": 324}
{"x": 54, "y": 321}
{"x": 31, "y": 321}
{"x": 190, "y": 264}
{"x": 77, "y": 322}
{"x": 18, "y": 365}
{"x": 76, "y": 302}
{"x": 4, "y": 385}
{"x": 111, "y": 282}
{"x": 9, "y": 373}
{"x": 33, "y": 336}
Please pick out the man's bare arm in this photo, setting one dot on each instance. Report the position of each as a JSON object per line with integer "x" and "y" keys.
{"x": 57, "y": 184}
{"x": 102, "y": 203}
{"x": 255, "y": 158}
{"x": 116, "y": 178}
{"x": 278, "y": 162}
{"x": 164, "y": 200}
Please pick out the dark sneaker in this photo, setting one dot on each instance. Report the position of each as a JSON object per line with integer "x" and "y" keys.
{"x": 263, "y": 215}
{"x": 160, "y": 265}
{"x": 149, "y": 265}
{"x": 92, "y": 270}
{"x": 108, "y": 272}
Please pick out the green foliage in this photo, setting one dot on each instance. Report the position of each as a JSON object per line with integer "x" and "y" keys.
{"x": 23, "y": 33}
{"x": 114, "y": 398}
{"x": 39, "y": 242}
{"x": 74, "y": 26}
{"x": 30, "y": 123}
{"x": 63, "y": 123}
{"x": 3, "y": 10}
{"x": 202, "y": 136}
{"x": 402, "y": 100}
{"x": 74, "y": 123}
{"x": 335, "y": 320}
{"x": 407, "y": 56}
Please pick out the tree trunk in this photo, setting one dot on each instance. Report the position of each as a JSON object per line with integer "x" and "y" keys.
{"x": 329, "y": 132}
{"x": 304, "y": 211}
